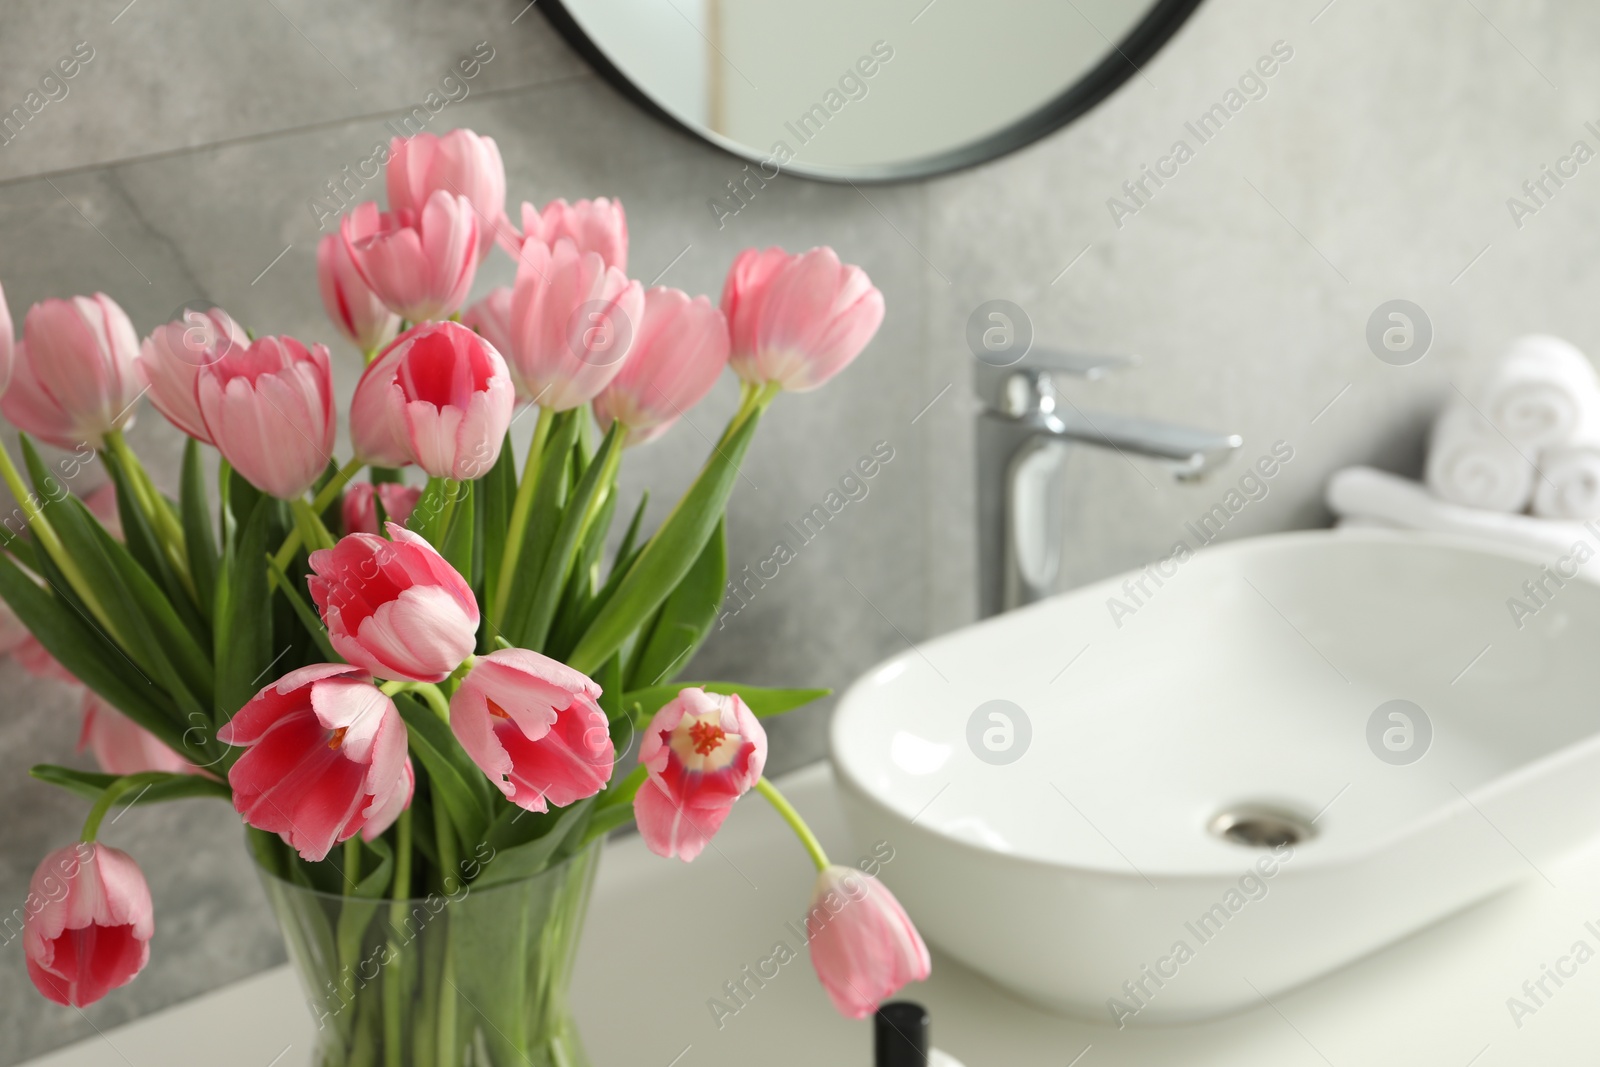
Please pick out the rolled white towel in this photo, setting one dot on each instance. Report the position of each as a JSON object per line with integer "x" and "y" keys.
{"x": 1540, "y": 392}
{"x": 1471, "y": 463}
{"x": 1569, "y": 476}
{"x": 1365, "y": 493}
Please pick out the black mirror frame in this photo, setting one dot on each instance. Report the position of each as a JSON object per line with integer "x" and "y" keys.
{"x": 1126, "y": 59}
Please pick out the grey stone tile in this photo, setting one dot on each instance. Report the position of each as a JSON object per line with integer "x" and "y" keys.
{"x": 170, "y": 74}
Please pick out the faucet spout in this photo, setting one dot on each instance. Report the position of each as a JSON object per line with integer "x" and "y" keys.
{"x": 1026, "y": 431}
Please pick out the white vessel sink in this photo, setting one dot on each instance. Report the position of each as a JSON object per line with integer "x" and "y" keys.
{"x": 1246, "y": 683}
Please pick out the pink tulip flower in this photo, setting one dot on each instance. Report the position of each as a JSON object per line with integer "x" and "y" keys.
{"x": 327, "y": 753}
{"x": 396, "y": 608}
{"x": 121, "y": 746}
{"x": 172, "y": 356}
{"x": 703, "y": 751}
{"x": 573, "y": 320}
{"x": 375, "y": 433}
{"x": 74, "y": 378}
{"x": 863, "y": 945}
{"x": 491, "y": 318}
{"x": 452, "y": 399}
{"x": 534, "y": 727}
{"x": 419, "y": 263}
{"x": 88, "y": 924}
{"x": 351, "y": 304}
{"x": 269, "y": 410}
{"x": 597, "y": 225}
{"x": 680, "y": 349}
{"x": 797, "y": 320}
{"x": 360, "y": 506}
{"x": 8, "y": 343}
{"x": 460, "y": 163}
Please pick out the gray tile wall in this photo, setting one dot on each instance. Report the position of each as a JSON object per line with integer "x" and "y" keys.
{"x": 1378, "y": 165}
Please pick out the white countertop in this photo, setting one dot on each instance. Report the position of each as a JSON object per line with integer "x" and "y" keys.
{"x": 663, "y": 937}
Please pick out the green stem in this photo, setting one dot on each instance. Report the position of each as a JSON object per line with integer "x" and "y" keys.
{"x": 752, "y": 400}
{"x": 521, "y": 510}
{"x": 50, "y": 541}
{"x": 796, "y": 823}
{"x": 312, "y": 532}
{"x": 445, "y": 1036}
{"x": 91, "y": 825}
{"x": 426, "y": 690}
{"x": 352, "y": 860}
{"x": 608, "y": 481}
{"x": 335, "y": 486}
{"x": 394, "y": 974}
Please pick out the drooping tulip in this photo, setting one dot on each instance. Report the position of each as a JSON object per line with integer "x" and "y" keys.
{"x": 533, "y": 725}
{"x": 451, "y": 398}
{"x": 397, "y": 608}
{"x": 8, "y": 343}
{"x": 420, "y": 263}
{"x": 361, "y": 499}
{"x": 269, "y": 410}
{"x": 863, "y": 945}
{"x": 597, "y": 225}
{"x": 327, "y": 753}
{"x": 703, "y": 751}
{"x": 797, "y": 320}
{"x": 120, "y": 745}
{"x": 89, "y": 922}
{"x": 351, "y": 304}
{"x": 74, "y": 378}
{"x": 461, "y": 163}
{"x": 172, "y": 356}
{"x": 677, "y": 354}
{"x": 573, "y": 320}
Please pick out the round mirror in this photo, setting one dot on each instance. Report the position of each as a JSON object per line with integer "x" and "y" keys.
{"x": 868, "y": 90}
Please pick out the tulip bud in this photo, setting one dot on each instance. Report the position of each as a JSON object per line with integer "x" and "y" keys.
{"x": 172, "y": 356}
{"x": 680, "y": 349}
{"x": 74, "y": 378}
{"x": 461, "y": 163}
{"x": 269, "y": 410}
{"x": 451, "y": 398}
{"x": 598, "y": 226}
{"x": 573, "y": 320}
{"x": 420, "y": 263}
{"x": 360, "y": 509}
{"x": 797, "y": 320}
{"x": 396, "y": 607}
{"x": 351, "y": 305}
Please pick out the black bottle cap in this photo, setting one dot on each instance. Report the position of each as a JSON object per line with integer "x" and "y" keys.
{"x": 900, "y": 1035}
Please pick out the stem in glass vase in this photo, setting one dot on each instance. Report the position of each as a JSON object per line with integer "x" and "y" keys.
{"x": 394, "y": 973}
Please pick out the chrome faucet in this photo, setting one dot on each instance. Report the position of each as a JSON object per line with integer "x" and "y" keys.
{"x": 1025, "y": 432}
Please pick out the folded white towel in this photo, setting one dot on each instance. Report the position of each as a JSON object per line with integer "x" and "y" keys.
{"x": 1569, "y": 476}
{"x": 1365, "y": 493}
{"x": 1540, "y": 392}
{"x": 1472, "y": 463}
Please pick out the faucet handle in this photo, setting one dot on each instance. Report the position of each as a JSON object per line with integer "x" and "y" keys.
{"x": 1002, "y": 387}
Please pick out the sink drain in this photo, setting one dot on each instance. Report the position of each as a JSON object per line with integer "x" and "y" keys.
{"x": 1261, "y": 827}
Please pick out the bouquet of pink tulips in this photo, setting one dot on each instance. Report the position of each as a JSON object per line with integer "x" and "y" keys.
{"x": 455, "y": 671}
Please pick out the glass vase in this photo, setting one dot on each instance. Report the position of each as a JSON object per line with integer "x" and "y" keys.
{"x": 475, "y": 978}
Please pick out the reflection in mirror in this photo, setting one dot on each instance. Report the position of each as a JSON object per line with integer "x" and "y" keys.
{"x": 870, "y": 89}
